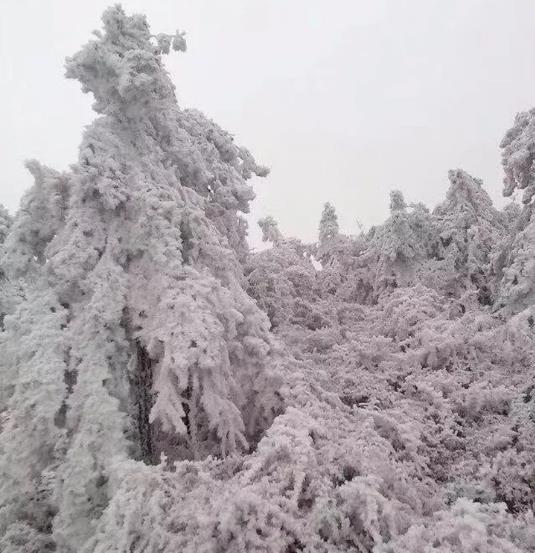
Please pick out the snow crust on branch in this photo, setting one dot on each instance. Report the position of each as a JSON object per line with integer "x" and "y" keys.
{"x": 164, "y": 389}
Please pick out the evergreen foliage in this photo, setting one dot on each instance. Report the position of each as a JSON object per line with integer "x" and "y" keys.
{"x": 164, "y": 389}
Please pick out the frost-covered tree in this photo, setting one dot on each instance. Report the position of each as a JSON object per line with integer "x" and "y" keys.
{"x": 146, "y": 156}
{"x": 5, "y": 289}
{"x": 33, "y": 363}
{"x": 518, "y": 156}
{"x": 33, "y": 431}
{"x": 400, "y": 246}
{"x": 517, "y": 287}
{"x": 5, "y": 223}
{"x": 41, "y": 213}
{"x": 328, "y": 237}
{"x": 22, "y": 255}
{"x": 282, "y": 279}
{"x": 470, "y": 230}
{"x": 397, "y": 201}
{"x": 153, "y": 345}
{"x": 145, "y": 406}
{"x": 516, "y": 262}
{"x": 328, "y": 228}
{"x": 270, "y": 230}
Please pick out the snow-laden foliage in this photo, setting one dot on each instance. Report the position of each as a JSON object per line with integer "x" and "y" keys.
{"x": 328, "y": 234}
{"x": 270, "y": 230}
{"x": 163, "y": 389}
{"x": 517, "y": 286}
{"x": 518, "y": 156}
{"x": 5, "y": 223}
{"x": 134, "y": 336}
{"x": 471, "y": 233}
{"x": 5, "y": 289}
{"x": 282, "y": 280}
{"x": 328, "y": 224}
{"x": 400, "y": 246}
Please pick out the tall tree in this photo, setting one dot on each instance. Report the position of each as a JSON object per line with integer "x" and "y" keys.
{"x": 328, "y": 228}
{"x": 154, "y": 345}
{"x": 470, "y": 229}
{"x": 398, "y": 248}
{"x": 5, "y": 223}
{"x": 270, "y": 230}
{"x": 518, "y": 156}
{"x": 516, "y": 288}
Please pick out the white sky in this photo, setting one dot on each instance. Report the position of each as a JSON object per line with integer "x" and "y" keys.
{"x": 343, "y": 99}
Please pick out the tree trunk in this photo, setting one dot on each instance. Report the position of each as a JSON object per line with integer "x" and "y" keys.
{"x": 142, "y": 395}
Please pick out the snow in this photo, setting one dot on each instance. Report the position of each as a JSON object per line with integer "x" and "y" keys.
{"x": 164, "y": 389}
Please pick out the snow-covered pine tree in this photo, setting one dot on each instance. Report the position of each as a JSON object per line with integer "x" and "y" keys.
{"x": 517, "y": 288}
{"x": 5, "y": 223}
{"x": 518, "y": 156}
{"x": 23, "y": 254}
{"x": 470, "y": 229}
{"x": 328, "y": 228}
{"x": 328, "y": 236}
{"x": 344, "y": 272}
{"x": 399, "y": 247}
{"x": 397, "y": 201}
{"x": 270, "y": 230}
{"x": 409, "y": 421}
{"x": 33, "y": 365}
{"x": 135, "y": 313}
{"x": 40, "y": 215}
{"x": 282, "y": 278}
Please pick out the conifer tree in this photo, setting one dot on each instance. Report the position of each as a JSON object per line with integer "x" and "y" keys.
{"x": 328, "y": 228}
{"x": 270, "y": 230}
{"x": 397, "y": 201}
{"x": 516, "y": 289}
{"x": 518, "y": 156}
{"x": 399, "y": 246}
{"x": 149, "y": 344}
{"x": 470, "y": 228}
{"x": 5, "y": 223}
{"x": 140, "y": 410}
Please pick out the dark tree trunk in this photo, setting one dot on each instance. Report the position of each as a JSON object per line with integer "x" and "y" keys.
{"x": 142, "y": 396}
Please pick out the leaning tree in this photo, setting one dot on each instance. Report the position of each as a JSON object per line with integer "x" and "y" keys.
{"x": 134, "y": 336}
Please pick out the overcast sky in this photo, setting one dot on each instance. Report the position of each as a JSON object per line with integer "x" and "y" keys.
{"x": 343, "y": 100}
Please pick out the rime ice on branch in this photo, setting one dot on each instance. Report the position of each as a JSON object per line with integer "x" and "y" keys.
{"x": 138, "y": 260}
{"x": 405, "y": 418}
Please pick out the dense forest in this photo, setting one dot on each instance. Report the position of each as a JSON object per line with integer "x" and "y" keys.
{"x": 166, "y": 389}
